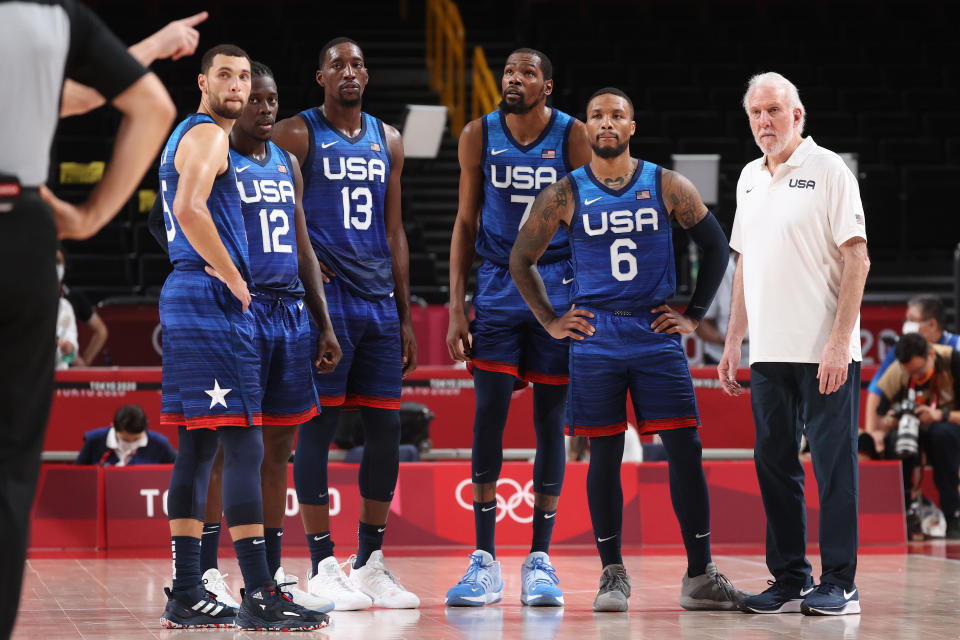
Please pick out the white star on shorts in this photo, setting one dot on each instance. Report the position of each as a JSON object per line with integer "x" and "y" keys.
{"x": 217, "y": 395}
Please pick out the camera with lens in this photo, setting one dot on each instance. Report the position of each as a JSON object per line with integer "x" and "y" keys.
{"x": 908, "y": 429}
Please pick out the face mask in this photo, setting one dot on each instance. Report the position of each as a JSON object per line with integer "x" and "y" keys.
{"x": 910, "y": 327}
{"x": 60, "y": 271}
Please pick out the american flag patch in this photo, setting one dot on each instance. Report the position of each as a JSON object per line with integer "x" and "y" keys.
{"x": 374, "y": 146}
{"x": 281, "y": 168}
{"x": 643, "y": 195}
{"x": 549, "y": 154}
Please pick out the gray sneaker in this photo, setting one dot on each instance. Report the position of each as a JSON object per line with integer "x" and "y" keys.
{"x": 711, "y": 591}
{"x": 614, "y": 589}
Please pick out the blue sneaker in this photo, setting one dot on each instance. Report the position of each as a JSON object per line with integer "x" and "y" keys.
{"x": 831, "y": 600}
{"x": 778, "y": 598}
{"x": 480, "y": 585}
{"x": 540, "y": 581}
{"x": 186, "y": 611}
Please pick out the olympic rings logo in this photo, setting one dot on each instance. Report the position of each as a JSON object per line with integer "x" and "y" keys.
{"x": 505, "y": 506}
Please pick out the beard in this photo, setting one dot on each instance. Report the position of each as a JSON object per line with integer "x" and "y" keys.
{"x": 518, "y": 108}
{"x": 224, "y": 109}
{"x": 773, "y": 147}
{"x": 610, "y": 152}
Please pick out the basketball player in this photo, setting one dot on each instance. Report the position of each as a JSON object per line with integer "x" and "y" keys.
{"x": 211, "y": 374}
{"x": 351, "y": 166}
{"x": 617, "y": 211}
{"x": 506, "y": 158}
{"x": 271, "y": 192}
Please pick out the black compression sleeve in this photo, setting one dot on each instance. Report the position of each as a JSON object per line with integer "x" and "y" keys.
{"x": 97, "y": 58}
{"x": 716, "y": 253}
{"x": 156, "y": 224}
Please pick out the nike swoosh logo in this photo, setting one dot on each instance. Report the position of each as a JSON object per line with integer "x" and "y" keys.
{"x": 324, "y": 494}
{"x": 496, "y": 152}
{"x": 605, "y": 539}
{"x": 381, "y": 530}
{"x": 480, "y": 473}
{"x": 279, "y": 533}
{"x": 749, "y": 190}
{"x": 547, "y": 516}
{"x": 259, "y": 541}
{"x": 318, "y": 538}
{"x": 549, "y": 484}
{"x": 847, "y": 596}
{"x": 290, "y": 613}
{"x": 805, "y": 592}
{"x": 591, "y": 201}
{"x": 565, "y": 281}
{"x": 485, "y": 509}
{"x": 242, "y": 169}
{"x": 702, "y": 535}
{"x": 324, "y": 145}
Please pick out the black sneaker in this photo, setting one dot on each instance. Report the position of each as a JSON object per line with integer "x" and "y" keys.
{"x": 186, "y": 611}
{"x": 614, "y": 589}
{"x": 778, "y": 598}
{"x": 268, "y": 609}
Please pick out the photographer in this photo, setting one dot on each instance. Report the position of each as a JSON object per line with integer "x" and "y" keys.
{"x": 919, "y": 402}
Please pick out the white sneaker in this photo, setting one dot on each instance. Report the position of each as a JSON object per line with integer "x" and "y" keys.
{"x": 291, "y": 586}
{"x": 375, "y": 580}
{"x": 213, "y": 581}
{"x": 331, "y": 583}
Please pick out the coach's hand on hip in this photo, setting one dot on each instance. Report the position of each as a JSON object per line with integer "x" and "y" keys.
{"x": 832, "y": 372}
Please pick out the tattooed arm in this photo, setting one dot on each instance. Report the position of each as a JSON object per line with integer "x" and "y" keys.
{"x": 682, "y": 199}
{"x": 553, "y": 207}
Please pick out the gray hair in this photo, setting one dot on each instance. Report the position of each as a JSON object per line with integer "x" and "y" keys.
{"x": 774, "y": 79}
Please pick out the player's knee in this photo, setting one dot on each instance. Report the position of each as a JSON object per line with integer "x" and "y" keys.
{"x": 277, "y": 446}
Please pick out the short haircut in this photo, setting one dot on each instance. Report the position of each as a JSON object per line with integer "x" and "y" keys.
{"x": 613, "y": 91}
{"x": 774, "y": 79}
{"x": 130, "y": 418}
{"x": 909, "y": 346}
{"x": 930, "y": 307}
{"x": 260, "y": 70}
{"x": 331, "y": 44}
{"x": 221, "y": 49}
{"x": 546, "y": 67}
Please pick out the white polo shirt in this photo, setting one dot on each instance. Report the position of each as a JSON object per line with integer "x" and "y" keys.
{"x": 788, "y": 228}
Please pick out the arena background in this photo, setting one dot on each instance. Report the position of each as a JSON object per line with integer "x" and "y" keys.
{"x": 880, "y": 80}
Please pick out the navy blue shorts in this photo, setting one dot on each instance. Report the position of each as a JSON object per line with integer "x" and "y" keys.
{"x": 626, "y": 355}
{"x": 211, "y": 366}
{"x": 286, "y": 359}
{"x": 369, "y": 335}
{"x": 507, "y": 336}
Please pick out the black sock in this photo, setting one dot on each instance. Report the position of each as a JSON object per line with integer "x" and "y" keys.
{"x": 186, "y": 563}
{"x": 688, "y": 493}
{"x": 252, "y": 557}
{"x": 542, "y": 529}
{"x": 209, "y": 545}
{"x": 274, "y": 543}
{"x": 321, "y": 548}
{"x": 371, "y": 539}
{"x": 605, "y": 496}
{"x": 485, "y": 523}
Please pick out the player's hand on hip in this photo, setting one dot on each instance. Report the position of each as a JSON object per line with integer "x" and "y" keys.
{"x": 832, "y": 372}
{"x": 179, "y": 38}
{"x": 326, "y": 273}
{"x": 459, "y": 339}
{"x": 408, "y": 349}
{"x": 572, "y": 324}
{"x": 672, "y": 321}
{"x": 74, "y": 222}
{"x": 238, "y": 287}
{"x": 328, "y": 352}
{"x": 727, "y": 370}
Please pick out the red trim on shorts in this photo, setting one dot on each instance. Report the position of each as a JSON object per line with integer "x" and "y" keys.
{"x": 599, "y": 430}
{"x": 210, "y": 422}
{"x": 289, "y": 419}
{"x": 377, "y": 402}
{"x": 666, "y": 424}
{"x": 498, "y": 367}
{"x": 545, "y": 378}
{"x": 331, "y": 401}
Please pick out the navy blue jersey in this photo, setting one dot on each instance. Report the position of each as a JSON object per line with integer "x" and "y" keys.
{"x": 344, "y": 194}
{"x": 268, "y": 204}
{"x": 223, "y": 204}
{"x": 621, "y": 242}
{"x": 513, "y": 175}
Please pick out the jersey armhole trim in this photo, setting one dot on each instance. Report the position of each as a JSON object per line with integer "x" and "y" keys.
{"x": 383, "y": 141}
{"x": 567, "y": 130}
{"x": 575, "y": 191}
{"x": 311, "y": 144}
{"x": 659, "y": 178}
{"x": 483, "y": 142}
